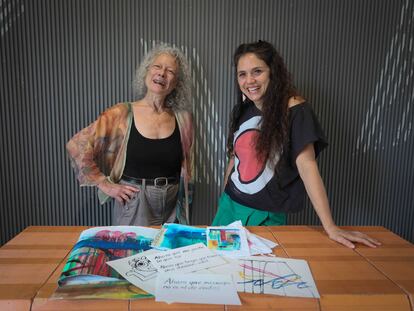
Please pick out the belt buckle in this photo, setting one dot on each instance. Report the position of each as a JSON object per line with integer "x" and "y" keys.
{"x": 162, "y": 180}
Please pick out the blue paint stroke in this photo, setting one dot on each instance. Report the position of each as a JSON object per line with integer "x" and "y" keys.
{"x": 177, "y": 235}
{"x": 278, "y": 282}
{"x": 259, "y": 277}
{"x": 139, "y": 243}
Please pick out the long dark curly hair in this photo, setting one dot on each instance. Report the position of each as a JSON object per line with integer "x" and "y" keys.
{"x": 274, "y": 124}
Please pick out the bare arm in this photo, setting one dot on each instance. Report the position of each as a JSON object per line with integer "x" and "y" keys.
{"x": 309, "y": 172}
{"x": 230, "y": 166}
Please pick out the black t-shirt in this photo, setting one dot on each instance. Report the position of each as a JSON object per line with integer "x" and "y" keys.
{"x": 255, "y": 184}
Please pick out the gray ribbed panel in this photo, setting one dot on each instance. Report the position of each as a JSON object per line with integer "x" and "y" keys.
{"x": 63, "y": 62}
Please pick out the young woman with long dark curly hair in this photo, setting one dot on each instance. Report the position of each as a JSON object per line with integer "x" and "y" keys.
{"x": 273, "y": 143}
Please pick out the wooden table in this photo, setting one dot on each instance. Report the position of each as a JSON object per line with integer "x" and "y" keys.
{"x": 360, "y": 279}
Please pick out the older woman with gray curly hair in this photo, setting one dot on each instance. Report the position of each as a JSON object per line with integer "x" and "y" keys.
{"x": 140, "y": 153}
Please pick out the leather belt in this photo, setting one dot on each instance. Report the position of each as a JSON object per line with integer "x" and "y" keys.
{"x": 159, "y": 181}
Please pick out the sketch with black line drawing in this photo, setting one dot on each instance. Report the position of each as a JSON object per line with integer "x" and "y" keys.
{"x": 138, "y": 270}
{"x": 141, "y": 268}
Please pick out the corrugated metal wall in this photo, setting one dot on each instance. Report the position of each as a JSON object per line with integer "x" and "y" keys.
{"x": 65, "y": 61}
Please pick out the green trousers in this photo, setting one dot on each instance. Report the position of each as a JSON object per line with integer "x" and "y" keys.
{"x": 230, "y": 211}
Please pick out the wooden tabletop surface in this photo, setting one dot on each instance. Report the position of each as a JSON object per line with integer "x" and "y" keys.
{"x": 359, "y": 279}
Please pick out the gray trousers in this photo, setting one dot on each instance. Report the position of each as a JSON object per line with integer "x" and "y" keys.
{"x": 151, "y": 206}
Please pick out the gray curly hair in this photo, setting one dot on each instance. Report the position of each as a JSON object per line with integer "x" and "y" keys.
{"x": 180, "y": 97}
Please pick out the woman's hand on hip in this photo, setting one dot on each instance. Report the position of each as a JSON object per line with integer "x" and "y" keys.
{"x": 121, "y": 193}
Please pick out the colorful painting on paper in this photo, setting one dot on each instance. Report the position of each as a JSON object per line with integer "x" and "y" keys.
{"x": 175, "y": 235}
{"x": 224, "y": 239}
{"x": 86, "y": 274}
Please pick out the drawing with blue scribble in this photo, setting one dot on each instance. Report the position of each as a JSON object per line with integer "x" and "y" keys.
{"x": 283, "y": 276}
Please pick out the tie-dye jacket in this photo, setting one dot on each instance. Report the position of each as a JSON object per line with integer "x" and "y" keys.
{"x": 98, "y": 152}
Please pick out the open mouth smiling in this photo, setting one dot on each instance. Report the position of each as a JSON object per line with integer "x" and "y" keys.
{"x": 253, "y": 90}
{"x": 161, "y": 82}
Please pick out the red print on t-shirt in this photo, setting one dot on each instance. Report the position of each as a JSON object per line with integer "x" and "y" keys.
{"x": 249, "y": 167}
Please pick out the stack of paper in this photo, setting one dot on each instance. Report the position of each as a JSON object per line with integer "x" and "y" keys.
{"x": 180, "y": 264}
{"x": 172, "y": 276}
{"x": 230, "y": 241}
{"x": 196, "y": 274}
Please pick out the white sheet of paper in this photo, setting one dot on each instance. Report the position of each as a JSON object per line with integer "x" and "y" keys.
{"x": 186, "y": 259}
{"x": 266, "y": 275}
{"x": 197, "y": 288}
{"x": 257, "y": 244}
{"x": 138, "y": 270}
{"x": 267, "y": 242}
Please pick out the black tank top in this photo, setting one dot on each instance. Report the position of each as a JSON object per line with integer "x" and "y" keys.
{"x": 152, "y": 158}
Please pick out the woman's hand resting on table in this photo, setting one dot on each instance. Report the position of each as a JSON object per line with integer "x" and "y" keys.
{"x": 121, "y": 193}
{"x": 346, "y": 238}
